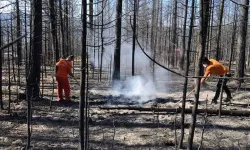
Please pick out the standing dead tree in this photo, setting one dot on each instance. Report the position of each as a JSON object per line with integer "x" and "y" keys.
{"x": 53, "y": 21}
{"x": 134, "y": 34}
{"x": 186, "y": 74}
{"x": 102, "y": 40}
{"x": 1, "y": 67}
{"x": 62, "y": 28}
{"x": 233, "y": 39}
{"x": 173, "y": 43}
{"x": 83, "y": 104}
{"x": 241, "y": 46}
{"x": 19, "y": 43}
{"x": 33, "y": 79}
{"x": 153, "y": 30}
{"x": 218, "y": 50}
{"x": 18, "y": 34}
{"x": 117, "y": 51}
{"x": 181, "y": 62}
{"x": 203, "y": 25}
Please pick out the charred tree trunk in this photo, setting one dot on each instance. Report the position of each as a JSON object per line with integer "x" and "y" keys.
{"x": 12, "y": 51}
{"x": 19, "y": 43}
{"x": 173, "y": 35}
{"x": 18, "y": 34}
{"x": 66, "y": 29}
{"x": 102, "y": 40}
{"x": 181, "y": 62}
{"x": 152, "y": 40}
{"x": 62, "y": 28}
{"x": 186, "y": 74}
{"x": 240, "y": 62}
{"x": 161, "y": 35}
{"x": 54, "y": 29}
{"x": 1, "y": 66}
{"x": 233, "y": 38}
{"x": 91, "y": 14}
{"x": 33, "y": 80}
{"x": 218, "y": 50}
{"x": 155, "y": 35}
{"x": 34, "y": 74}
{"x": 82, "y": 105}
{"x": 127, "y": 25}
{"x": 134, "y": 36}
{"x": 204, "y": 16}
{"x": 9, "y": 83}
{"x": 211, "y": 21}
{"x": 117, "y": 51}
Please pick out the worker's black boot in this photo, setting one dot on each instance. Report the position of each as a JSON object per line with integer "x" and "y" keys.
{"x": 228, "y": 99}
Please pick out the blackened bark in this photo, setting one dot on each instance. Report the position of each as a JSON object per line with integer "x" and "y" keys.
{"x": 173, "y": 35}
{"x": 181, "y": 62}
{"x": 186, "y": 74}
{"x": 102, "y": 40}
{"x": 1, "y": 59}
{"x": 91, "y": 13}
{"x": 134, "y": 36}
{"x": 82, "y": 105}
{"x": 152, "y": 36}
{"x": 240, "y": 62}
{"x": 117, "y": 51}
{"x": 18, "y": 34}
{"x": 62, "y": 28}
{"x": 204, "y": 17}
{"x": 233, "y": 39}
{"x": 66, "y": 29}
{"x": 33, "y": 80}
{"x": 54, "y": 29}
{"x": 36, "y": 51}
{"x": 218, "y": 50}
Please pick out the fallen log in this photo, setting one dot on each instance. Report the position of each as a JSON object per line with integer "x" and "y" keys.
{"x": 178, "y": 110}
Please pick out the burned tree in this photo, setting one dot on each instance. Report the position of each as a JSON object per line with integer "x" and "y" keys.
{"x": 203, "y": 25}
{"x": 33, "y": 79}
{"x": 34, "y": 74}
{"x": 134, "y": 36}
{"x": 91, "y": 12}
{"x": 62, "y": 28}
{"x": 117, "y": 51}
{"x": 218, "y": 50}
{"x": 186, "y": 74}
{"x": 173, "y": 43}
{"x": 83, "y": 104}
{"x": 233, "y": 39}
{"x": 1, "y": 66}
{"x": 181, "y": 62}
{"x": 18, "y": 33}
{"x": 53, "y": 21}
{"x": 241, "y": 46}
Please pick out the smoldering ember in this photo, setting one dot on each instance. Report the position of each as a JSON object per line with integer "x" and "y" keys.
{"x": 124, "y": 75}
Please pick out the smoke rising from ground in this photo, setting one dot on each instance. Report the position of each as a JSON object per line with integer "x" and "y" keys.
{"x": 143, "y": 85}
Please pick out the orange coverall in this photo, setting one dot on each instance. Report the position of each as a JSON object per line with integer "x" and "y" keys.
{"x": 63, "y": 68}
{"x": 216, "y": 68}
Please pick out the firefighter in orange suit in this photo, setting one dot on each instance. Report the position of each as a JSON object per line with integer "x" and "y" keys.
{"x": 63, "y": 69}
{"x": 214, "y": 67}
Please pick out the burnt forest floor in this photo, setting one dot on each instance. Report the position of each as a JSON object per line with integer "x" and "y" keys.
{"x": 55, "y": 125}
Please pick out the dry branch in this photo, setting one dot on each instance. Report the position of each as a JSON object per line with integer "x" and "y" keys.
{"x": 178, "y": 110}
{"x": 11, "y": 43}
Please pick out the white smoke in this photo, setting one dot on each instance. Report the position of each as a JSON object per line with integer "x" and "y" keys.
{"x": 140, "y": 87}
{"x": 143, "y": 85}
